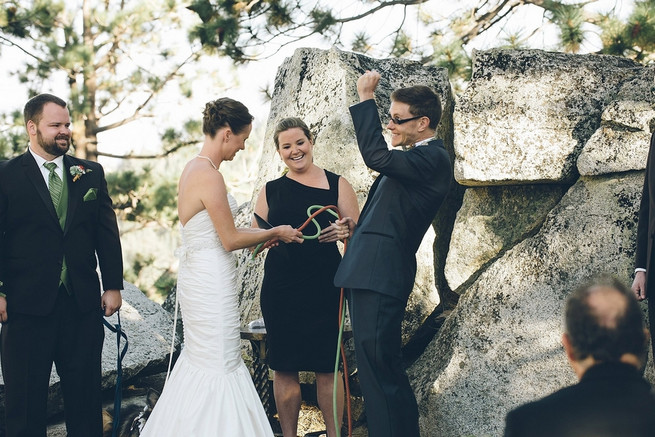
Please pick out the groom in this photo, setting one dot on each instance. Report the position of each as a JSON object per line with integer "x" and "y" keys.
{"x": 380, "y": 264}
{"x": 56, "y": 225}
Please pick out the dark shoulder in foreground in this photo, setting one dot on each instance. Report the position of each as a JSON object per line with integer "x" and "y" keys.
{"x": 603, "y": 407}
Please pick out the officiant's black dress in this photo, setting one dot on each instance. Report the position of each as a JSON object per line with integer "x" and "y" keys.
{"x": 299, "y": 302}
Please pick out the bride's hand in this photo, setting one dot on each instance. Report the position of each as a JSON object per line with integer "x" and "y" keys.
{"x": 270, "y": 243}
{"x": 288, "y": 234}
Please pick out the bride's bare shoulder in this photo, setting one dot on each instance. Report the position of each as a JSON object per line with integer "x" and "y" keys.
{"x": 200, "y": 175}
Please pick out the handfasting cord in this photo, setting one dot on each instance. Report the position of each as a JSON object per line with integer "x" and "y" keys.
{"x": 312, "y": 218}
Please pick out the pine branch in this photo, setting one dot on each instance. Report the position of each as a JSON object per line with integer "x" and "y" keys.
{"x": 136, "y": 114}
{"x": 163, "y": 154}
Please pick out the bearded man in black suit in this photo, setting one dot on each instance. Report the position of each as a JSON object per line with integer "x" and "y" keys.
{"x": 379, "y": 266}
{"x": 605, "y": 343}
{"x": 56, "y": 225}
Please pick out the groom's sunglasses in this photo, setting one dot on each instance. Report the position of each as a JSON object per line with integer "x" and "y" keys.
{"x": 396, "y": 120}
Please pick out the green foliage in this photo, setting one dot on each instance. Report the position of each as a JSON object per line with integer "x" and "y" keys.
{"x": 323, "y": 20}
{"x": 258, "y": 26}
{"x": 279, "y": 15}
{"x": 13, "y": 138}
{"x": 219, "y": 30}
{"x": 634, "y": 38}
{"x": 138, "y": 264}
{"x": 165, "y": 283}
{"x": 38, "y": 20}
{"x": 110, "y": 54}
{"x": 613, "y": 38}
{"x": 361, "y": 43}
{"x": 203, "y": 8}
{"x": 453, "y": 58}
{"x": 139, "y": 270}
{"x": 569, "y": 19}
{"x": 402, "y": 45}
{"x": 640, "y": 29}
{"x": 142, "y": 196}
{"x": 513, "y": 41}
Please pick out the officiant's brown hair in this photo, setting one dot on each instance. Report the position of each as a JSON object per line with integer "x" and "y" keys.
{"x": 291, "y": 123}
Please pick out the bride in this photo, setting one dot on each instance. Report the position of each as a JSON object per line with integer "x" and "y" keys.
{"x": 210, "y": 391}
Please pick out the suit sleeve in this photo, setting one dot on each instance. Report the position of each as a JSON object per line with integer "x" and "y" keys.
{"x": 409, "y": 167}
{"x": 3, "y": 227}
{"x": 644, "y": 214}
{"x": 108, "y": 245}
{"x": 512, "y": 425}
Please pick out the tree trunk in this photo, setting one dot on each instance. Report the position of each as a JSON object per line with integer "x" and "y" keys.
{"x": 86, "y": 146}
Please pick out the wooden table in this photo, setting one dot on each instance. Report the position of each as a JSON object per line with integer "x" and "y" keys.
{"x": 257, "y": 338}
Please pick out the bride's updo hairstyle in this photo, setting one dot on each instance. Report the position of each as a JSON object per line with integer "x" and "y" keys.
{"x": 290, "y": 123}
{"x": 225, "y": 112}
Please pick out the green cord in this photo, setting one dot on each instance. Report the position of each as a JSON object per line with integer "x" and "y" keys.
{"x": 337, "y": 422}
{"x": 310, "y": 210}
{"x": 305, "y": 237}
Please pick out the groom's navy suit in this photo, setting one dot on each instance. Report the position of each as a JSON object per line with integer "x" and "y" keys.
{"x": 380, "y": 265}
{"x": 645, "y": 255}
{"x": 46, "y": 322}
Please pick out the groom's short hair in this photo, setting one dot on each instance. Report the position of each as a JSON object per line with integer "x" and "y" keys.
{"x": 422, "y": 100}
{"x": 34, "y": 106}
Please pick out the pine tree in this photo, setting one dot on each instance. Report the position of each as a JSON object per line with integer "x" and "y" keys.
{"x": 110, "y": 54}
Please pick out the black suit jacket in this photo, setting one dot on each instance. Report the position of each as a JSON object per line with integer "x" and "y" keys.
{"x": 646, "y": 234}
{"x": 32, "y": 243}
{"x": 401, "y": 205}
{"x": 646, "y": 226}
{"x": 611, "y": 400}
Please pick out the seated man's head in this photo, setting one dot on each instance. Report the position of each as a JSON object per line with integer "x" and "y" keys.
{"x": 603, "y": 324}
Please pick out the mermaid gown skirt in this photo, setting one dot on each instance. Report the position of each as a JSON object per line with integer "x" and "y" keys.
{"x": 210, "y": 391}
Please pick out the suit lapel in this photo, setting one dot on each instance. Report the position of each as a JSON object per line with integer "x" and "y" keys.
{"x": 73, "y": 191}
{"x": 370, "y": 193}
{"x": 36, "y": 177}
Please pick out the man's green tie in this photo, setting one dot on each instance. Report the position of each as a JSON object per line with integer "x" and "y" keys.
{"x": 54, "y": 183}
{"x": 56, "y": 187}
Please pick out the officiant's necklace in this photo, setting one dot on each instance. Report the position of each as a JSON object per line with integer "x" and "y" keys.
{"x": 208, "y": 159}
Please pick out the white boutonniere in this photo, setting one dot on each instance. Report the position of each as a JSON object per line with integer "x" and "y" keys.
{"x": 77, "y": 171}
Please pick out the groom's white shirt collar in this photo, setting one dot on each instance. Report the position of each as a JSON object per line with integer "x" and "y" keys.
{"x": 422, "y": 142}
{"x": 59, "y": 160}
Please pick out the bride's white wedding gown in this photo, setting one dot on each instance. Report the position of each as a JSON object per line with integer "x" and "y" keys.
{"x": 210, "y": 392}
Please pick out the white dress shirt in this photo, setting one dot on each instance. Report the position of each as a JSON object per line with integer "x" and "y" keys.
{"x": 59, "y": 160}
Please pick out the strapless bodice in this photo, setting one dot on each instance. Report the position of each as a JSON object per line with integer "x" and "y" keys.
{"x": 199, "y": 232}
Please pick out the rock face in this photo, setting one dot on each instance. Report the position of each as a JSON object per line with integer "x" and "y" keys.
{"x": 549, "y": 155}
{"x": 527, "y": 114}
{"x": 492, "y": 220}
{"x": 149, "y": 329}
{"x": 626, "y": 124}
{"x": 580, "y": 126}
{"x": 501, "y": 346}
